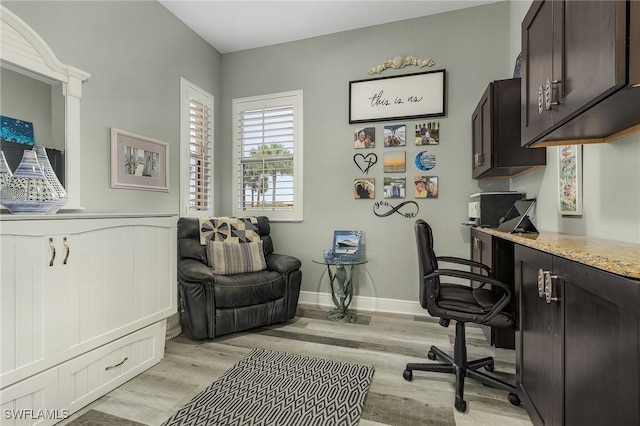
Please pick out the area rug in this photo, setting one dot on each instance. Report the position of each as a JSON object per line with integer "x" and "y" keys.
{"x": 278, "y": 388}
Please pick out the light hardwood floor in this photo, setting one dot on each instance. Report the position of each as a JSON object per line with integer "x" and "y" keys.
{"x": 386, "y": 341}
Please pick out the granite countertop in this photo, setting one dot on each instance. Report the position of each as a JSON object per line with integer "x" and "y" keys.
{"x": 617, "y": 257}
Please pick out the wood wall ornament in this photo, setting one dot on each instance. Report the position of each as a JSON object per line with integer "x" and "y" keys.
{"x": 368, "y": 161}
{"x": 396, "y": 209}
{"x": 401, "y": 62}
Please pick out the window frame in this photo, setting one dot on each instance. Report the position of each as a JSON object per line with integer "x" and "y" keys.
{"x": 189, "y": 91}
{"x": 294, "y": 99}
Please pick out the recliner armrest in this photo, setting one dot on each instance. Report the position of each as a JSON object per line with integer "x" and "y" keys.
{"x": 282, "y": 263}
{"x": 191, "y": 271}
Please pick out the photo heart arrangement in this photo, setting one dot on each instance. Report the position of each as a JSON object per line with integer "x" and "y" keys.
{"x": 365, "y": 162}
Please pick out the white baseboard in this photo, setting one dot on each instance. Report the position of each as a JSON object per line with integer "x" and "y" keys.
{"x": 365, "y": 303}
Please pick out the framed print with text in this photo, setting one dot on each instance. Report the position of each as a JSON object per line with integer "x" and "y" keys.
{"x": 401, "y": 97}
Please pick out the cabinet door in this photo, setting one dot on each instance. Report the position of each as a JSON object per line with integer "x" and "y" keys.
{"x": 537, "y": 67}
{"x": 601, "y": 346}
{"x": 537, "y": 363}
{"x": 480, "y": 251}
{"x": 39, "y": 301}
{"x": 589, "y": 58}
{"x": 481, "y": 134}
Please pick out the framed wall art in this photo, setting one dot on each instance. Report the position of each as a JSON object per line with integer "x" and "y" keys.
{"x": 138, "y": 162}
{"x": 402, "y": 97}
{"x": 570, "y": 179}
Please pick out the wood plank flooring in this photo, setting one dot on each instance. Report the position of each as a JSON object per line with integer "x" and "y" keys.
{"x": 386, "y": 341}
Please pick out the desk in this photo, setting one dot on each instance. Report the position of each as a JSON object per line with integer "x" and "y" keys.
{"x": 578, "y": 335}
{"x": 342, "y": 294}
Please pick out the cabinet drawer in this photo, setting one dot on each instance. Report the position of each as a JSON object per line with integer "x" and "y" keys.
{"x": 88, "y": 377}
{"x": 32, "y": 401}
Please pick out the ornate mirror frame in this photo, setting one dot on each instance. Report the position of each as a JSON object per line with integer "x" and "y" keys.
{"x": 22, "y": 50}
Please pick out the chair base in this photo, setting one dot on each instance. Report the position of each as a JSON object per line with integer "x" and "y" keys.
{"x": 462, "y": 368}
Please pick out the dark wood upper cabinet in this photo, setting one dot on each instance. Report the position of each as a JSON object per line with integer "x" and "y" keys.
{"x": 580, "y": 71}
{"x": 497, "y": 151}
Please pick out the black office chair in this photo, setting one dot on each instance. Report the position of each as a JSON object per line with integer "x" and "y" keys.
{"x": 461, "y": 304}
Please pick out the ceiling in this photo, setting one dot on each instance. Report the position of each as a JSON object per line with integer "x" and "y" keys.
{"x": 231, "y": 26}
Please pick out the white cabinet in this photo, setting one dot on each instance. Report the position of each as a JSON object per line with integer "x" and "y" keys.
{"x": 74, "y": 283}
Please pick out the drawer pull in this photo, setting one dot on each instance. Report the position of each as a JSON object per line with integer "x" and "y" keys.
{"x": 116, "y": 365}
{"x": 53, "y": 252}
{"x": 66, "y": 247}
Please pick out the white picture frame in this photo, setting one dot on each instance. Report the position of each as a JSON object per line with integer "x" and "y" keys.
{"x": 138, "y": 162}
{"x": 570, "y": 180}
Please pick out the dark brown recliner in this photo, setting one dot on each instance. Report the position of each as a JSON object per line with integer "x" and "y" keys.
{"x": 223, "y": 304}
{"x": 462, "y": 304}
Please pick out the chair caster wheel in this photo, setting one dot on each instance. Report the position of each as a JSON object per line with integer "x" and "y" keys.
{"x": 408, "y": 375}
{"x": 461, "y": 406}
{"x": 514, "y": 399}
{"x": 489, "y": 368}
{"x": 431, "y": 355}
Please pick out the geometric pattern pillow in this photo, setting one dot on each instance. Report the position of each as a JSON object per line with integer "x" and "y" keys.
{"x": 234, "y": 258}
{"x": 232, "y": 229}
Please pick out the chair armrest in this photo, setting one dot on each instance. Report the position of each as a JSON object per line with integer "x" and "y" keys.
{"x": 191, "y": 271}
{"x": 497, "y": 308}
{"x": 282, "y": 263}
{"x": 467, "y": 262}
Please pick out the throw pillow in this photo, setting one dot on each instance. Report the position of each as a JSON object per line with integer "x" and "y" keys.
{"x": 228, "y": 258}
{"x": 236, "y": 229}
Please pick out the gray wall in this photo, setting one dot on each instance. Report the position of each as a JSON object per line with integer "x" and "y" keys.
{"x": 471, "y": 45}
{"x": 136, "y": 52}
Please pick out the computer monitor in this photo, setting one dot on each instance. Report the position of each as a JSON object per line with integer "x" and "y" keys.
{"x": 517, "y": 220}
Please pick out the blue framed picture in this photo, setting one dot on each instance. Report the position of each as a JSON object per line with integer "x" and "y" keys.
{"x": 346, "y": 244}
{"x": 16, "y": 131}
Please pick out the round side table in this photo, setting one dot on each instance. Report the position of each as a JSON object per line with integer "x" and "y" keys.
{"x": 342, "y": 293}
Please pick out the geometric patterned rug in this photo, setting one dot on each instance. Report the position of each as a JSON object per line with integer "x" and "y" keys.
{"x": 278, "y": 388}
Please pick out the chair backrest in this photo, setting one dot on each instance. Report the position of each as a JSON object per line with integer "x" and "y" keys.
{"x": 189, "y": 238}
{"x": 427, "y": 263}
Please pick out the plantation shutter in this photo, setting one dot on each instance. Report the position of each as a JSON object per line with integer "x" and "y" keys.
{"x": 268, "y": 156}
{"x": 266, "y": 138}
{"x": 200, "y": 161}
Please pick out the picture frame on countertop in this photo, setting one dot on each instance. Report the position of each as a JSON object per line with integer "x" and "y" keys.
{"x": 138, "y": 162}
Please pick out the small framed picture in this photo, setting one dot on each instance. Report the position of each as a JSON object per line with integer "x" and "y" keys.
{"x": 364, "y": 188}
{"x": 395, "y": 187}
{"x": 364, "y": 137}
{"x": 138, "y": 162}
{"x": 395, "y": 135}
{"x": 346, "y": 244}
{"x": 428, "y": 133}
{"x": 394, "y": 162}
{"x": 426, "y": 186}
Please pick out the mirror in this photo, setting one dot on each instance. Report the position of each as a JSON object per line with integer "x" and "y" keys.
{"x": 25, "y": 57}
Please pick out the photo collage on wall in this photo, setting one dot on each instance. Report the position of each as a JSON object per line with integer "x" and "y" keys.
{"x": 401, "y": 144}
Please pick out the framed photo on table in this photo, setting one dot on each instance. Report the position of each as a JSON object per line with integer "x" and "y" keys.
{"x": 347, "y": 244}
{"x": 138, "y": 162}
